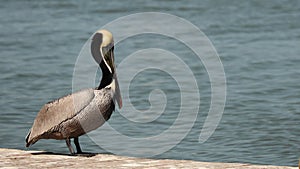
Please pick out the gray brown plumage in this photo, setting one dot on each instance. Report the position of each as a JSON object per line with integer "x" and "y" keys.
{"x": 78, "y": 113}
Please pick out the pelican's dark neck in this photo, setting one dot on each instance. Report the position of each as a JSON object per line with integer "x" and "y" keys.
{"x": 95, "y": 50}
{"x": 106, "y": 76}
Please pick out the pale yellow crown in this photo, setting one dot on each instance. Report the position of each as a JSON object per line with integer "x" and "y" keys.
{"x": 107, "y": 37}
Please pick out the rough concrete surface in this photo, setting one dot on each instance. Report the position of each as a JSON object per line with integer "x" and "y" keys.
{"x": 11, "y": 158}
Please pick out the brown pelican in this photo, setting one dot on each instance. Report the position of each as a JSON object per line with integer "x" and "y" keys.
{"x": 76, "y": 114}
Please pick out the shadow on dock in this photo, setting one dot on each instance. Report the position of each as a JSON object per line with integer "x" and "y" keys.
{"x": 85, "y": 154}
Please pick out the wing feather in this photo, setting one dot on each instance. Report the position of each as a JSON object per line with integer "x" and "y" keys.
{"x": 55, "y": 112}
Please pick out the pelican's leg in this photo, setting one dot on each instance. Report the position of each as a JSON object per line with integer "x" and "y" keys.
{"x": 69, "y": 146}
{"x": 76, "y": 142}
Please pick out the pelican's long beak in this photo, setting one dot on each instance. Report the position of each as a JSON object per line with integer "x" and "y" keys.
{"x": 118, "y": 96}
{"x": 116, "y": 89}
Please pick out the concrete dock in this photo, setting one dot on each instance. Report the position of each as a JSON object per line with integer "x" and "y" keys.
{"x": 12, "y": 158}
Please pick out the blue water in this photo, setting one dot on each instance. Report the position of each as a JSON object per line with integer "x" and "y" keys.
{"x": 258, "y": 43}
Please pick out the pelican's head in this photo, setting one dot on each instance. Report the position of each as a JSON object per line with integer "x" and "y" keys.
{"x": 102, "y": 48}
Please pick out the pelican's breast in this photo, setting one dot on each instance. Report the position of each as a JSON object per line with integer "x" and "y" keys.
{"x": 93, "y": 115}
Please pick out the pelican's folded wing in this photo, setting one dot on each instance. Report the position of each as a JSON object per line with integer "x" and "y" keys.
{"x": 55, "y": 112}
